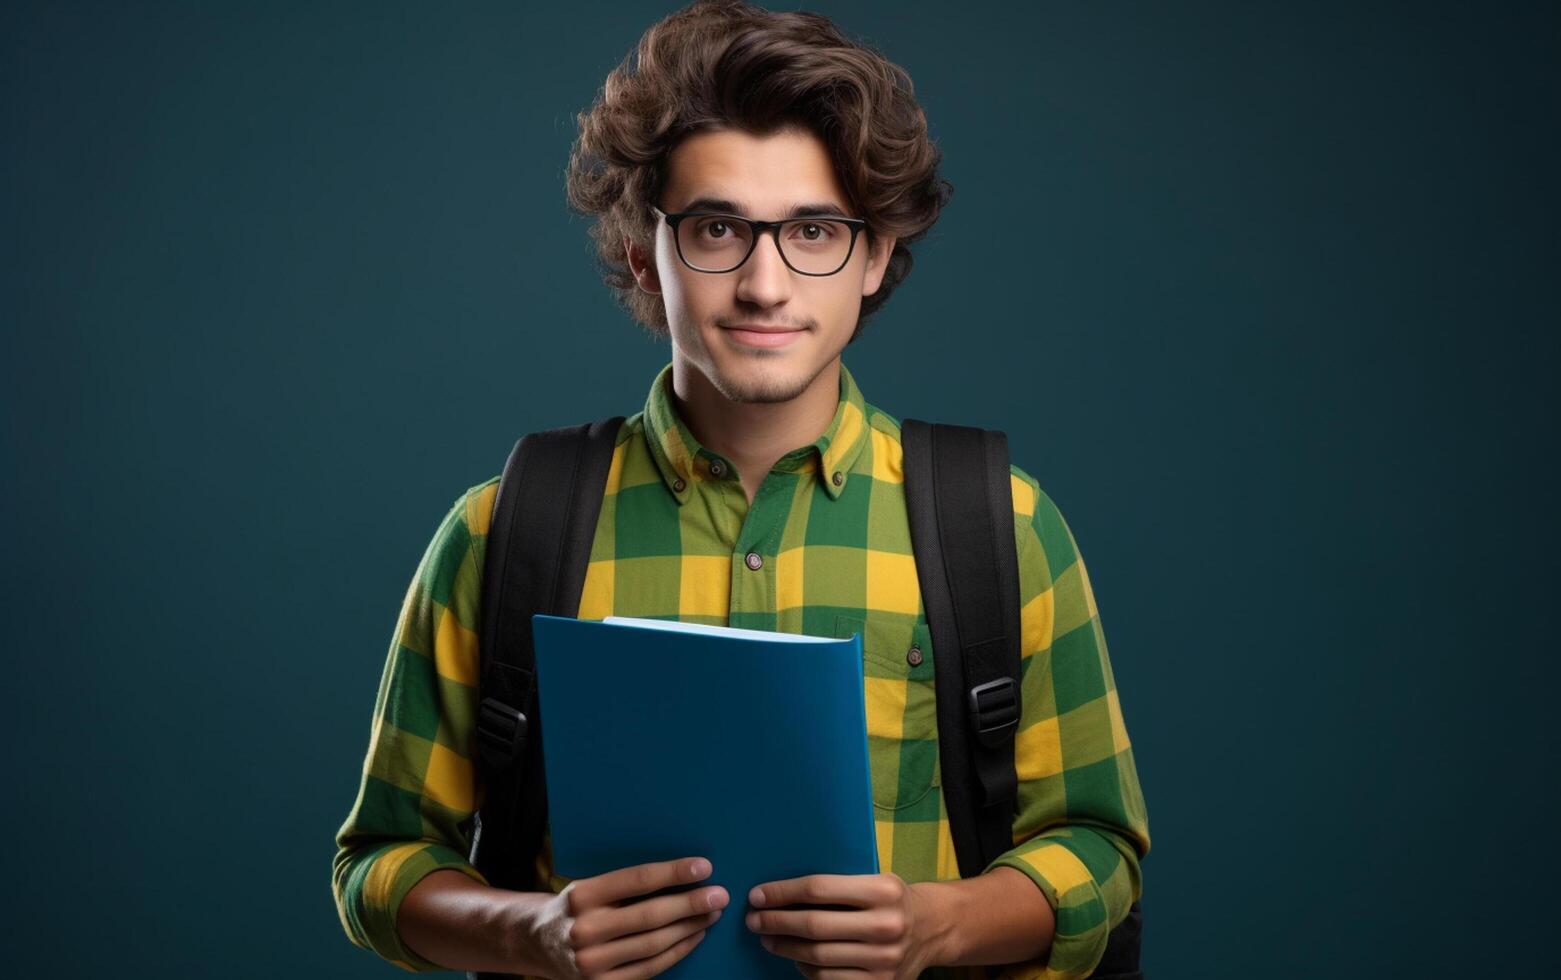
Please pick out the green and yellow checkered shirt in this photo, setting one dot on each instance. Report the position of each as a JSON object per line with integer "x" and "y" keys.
{"x": 830, "y": 524}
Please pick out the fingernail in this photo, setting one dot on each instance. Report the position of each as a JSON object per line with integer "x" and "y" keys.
{"x": 700, "y": 868}
{"x": 751, "y": 920}
{"x": 756, "y": 896}
{"x": 716, "y": 900}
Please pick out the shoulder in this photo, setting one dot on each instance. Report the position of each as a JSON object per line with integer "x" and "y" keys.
{"x": 1027, "y": 493}
{"x": 881, "y": 421}
{"x": 474, "y": 507}
{"x": 1031, "y": 504}
{"x": 467, "y": 518}
{"x": 471, "y": 514}
{"x": 632, "y": 426}
{"x": 1038, "y": 519}
{"x": 886, "y": 457}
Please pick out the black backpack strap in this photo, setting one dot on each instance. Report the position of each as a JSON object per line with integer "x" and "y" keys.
{"x": 956, "y": 495}
{"x": 538, "y": 547}
{"x": 959, "y": 502}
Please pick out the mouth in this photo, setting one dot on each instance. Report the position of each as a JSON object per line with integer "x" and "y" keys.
{"x": 760, "y": 335}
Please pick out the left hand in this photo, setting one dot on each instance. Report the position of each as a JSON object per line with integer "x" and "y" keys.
{"x": 884, "y": 935}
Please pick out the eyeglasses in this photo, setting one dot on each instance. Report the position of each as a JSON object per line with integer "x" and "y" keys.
{"x": 713, "y": 242}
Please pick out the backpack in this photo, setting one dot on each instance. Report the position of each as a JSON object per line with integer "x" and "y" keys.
{"x": 538, "y": 547}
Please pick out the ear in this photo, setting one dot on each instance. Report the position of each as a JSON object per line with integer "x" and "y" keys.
{"x": 640, "y": 265}
{"x": 877, "y": 264}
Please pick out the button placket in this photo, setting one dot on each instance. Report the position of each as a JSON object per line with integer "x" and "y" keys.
{"x": 753, "y": 578}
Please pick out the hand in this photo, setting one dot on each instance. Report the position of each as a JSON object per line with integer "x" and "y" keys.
{"x": 595, "y": 927}
{"x": 886, "y": 934}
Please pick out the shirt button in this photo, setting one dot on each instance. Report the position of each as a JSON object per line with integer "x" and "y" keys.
{"x": 914, "y": 657}
{"x": 839, "y": 478}
{"x": 678, "y": 485}
{"x": 716, "y": 469}
{"x": 754, "y": 560}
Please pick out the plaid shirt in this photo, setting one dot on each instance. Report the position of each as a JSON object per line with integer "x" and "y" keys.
{"x": 830, "y": 524}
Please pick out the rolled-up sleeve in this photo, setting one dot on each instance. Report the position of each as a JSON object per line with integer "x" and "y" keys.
{"x": 419, "y": 787}
{"x": 1081, "y": 828}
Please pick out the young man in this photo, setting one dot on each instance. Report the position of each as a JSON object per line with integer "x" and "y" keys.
{"x": 758, "y": 488}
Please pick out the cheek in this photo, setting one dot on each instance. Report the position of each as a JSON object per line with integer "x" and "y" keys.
{"x": 684, "y": 292}
{"x": 666, "y": 254}
{"x": 846, "y": 301}
{"x": 701, "y": 295}
{"x": 693, "y": 300}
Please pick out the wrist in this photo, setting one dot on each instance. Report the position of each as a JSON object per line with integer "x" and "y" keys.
{"x": 937, "y": 922}
{"x": 456, "y": 922}
{"x": 526, "y": 931}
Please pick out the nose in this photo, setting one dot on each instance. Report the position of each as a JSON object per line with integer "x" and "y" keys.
{"x": 765, "y": 279}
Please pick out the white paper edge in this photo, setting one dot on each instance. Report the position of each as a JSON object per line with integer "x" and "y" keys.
{"x": 732, "y": 631}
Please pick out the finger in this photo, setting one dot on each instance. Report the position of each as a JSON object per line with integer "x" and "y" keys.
{"x": 642, "y": 969}
{"x": 860, "y": 891}
{"x": 857, "y": 956}
{"x": 594, "y": 960}
{"x": 641, "y": 879}
{"x": 594, "y": 927}
{"x": 872, "y": 926}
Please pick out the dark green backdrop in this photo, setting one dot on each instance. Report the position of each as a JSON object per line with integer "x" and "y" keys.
{"x": 1264, "y": 294}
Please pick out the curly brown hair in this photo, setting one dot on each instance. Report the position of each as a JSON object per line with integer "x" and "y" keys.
{"x": 725, "y": 64}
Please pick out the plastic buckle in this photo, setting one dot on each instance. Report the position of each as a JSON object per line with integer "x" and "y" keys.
{"x": 501, "y": 734}
{"x": 994, "y": 710}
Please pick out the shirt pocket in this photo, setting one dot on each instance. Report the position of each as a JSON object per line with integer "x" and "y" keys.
{"x": 902, "y": 713}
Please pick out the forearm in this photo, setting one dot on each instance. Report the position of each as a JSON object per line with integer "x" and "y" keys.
{"x": 461, "y": 924}
{"x": 994, "y": 918}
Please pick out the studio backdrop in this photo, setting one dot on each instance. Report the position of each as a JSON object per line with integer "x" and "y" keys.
{"x": 1264, "y": 295}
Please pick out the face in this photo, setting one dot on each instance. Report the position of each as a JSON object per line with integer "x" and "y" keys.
{"x": 763, "y": 177}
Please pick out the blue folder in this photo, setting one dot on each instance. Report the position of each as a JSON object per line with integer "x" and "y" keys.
{"x": 664, "y": 740}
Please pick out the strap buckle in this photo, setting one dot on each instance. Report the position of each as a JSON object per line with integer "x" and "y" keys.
{"x": 501, "y": 734}
{"x": 994, "y": 710}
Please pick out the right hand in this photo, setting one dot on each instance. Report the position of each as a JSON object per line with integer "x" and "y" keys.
{"x": 600, "y": 928}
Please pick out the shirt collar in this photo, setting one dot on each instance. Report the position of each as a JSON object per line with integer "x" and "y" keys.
{"x": 676, "y": 451}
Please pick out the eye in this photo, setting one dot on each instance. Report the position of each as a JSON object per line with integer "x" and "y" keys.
{"x": 815, "y": 231}
{"x": 714, "y": 228}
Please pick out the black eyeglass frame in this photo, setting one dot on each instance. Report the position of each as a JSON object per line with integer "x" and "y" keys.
{"x": 757, "y": 228}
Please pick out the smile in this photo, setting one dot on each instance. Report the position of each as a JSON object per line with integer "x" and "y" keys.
{"x": 762, "y": 338}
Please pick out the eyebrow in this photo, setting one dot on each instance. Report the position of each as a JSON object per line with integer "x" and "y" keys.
{"x": 818, "y": 209}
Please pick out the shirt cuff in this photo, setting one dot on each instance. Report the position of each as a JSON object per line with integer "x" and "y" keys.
{"x": 1082, "y": 924}
{"x": 386, "y": 883}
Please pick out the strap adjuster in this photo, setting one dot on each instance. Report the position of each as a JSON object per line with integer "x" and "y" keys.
{"x": 501, "y": 734}
{"x": 994, "y": 710}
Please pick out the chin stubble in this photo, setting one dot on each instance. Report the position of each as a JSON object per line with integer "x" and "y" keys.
{"x": 764, "y": 391}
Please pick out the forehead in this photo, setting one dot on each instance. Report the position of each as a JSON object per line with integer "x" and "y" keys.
{"x": 765, "y": 175}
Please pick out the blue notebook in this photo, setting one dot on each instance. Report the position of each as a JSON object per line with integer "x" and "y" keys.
{"x": 664, "y": 740}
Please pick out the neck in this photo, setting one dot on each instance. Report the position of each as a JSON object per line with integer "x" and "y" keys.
{"x": 753, "y": 435}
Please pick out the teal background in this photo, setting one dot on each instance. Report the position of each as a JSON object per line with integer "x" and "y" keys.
{"x": 1264, "y": 294}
